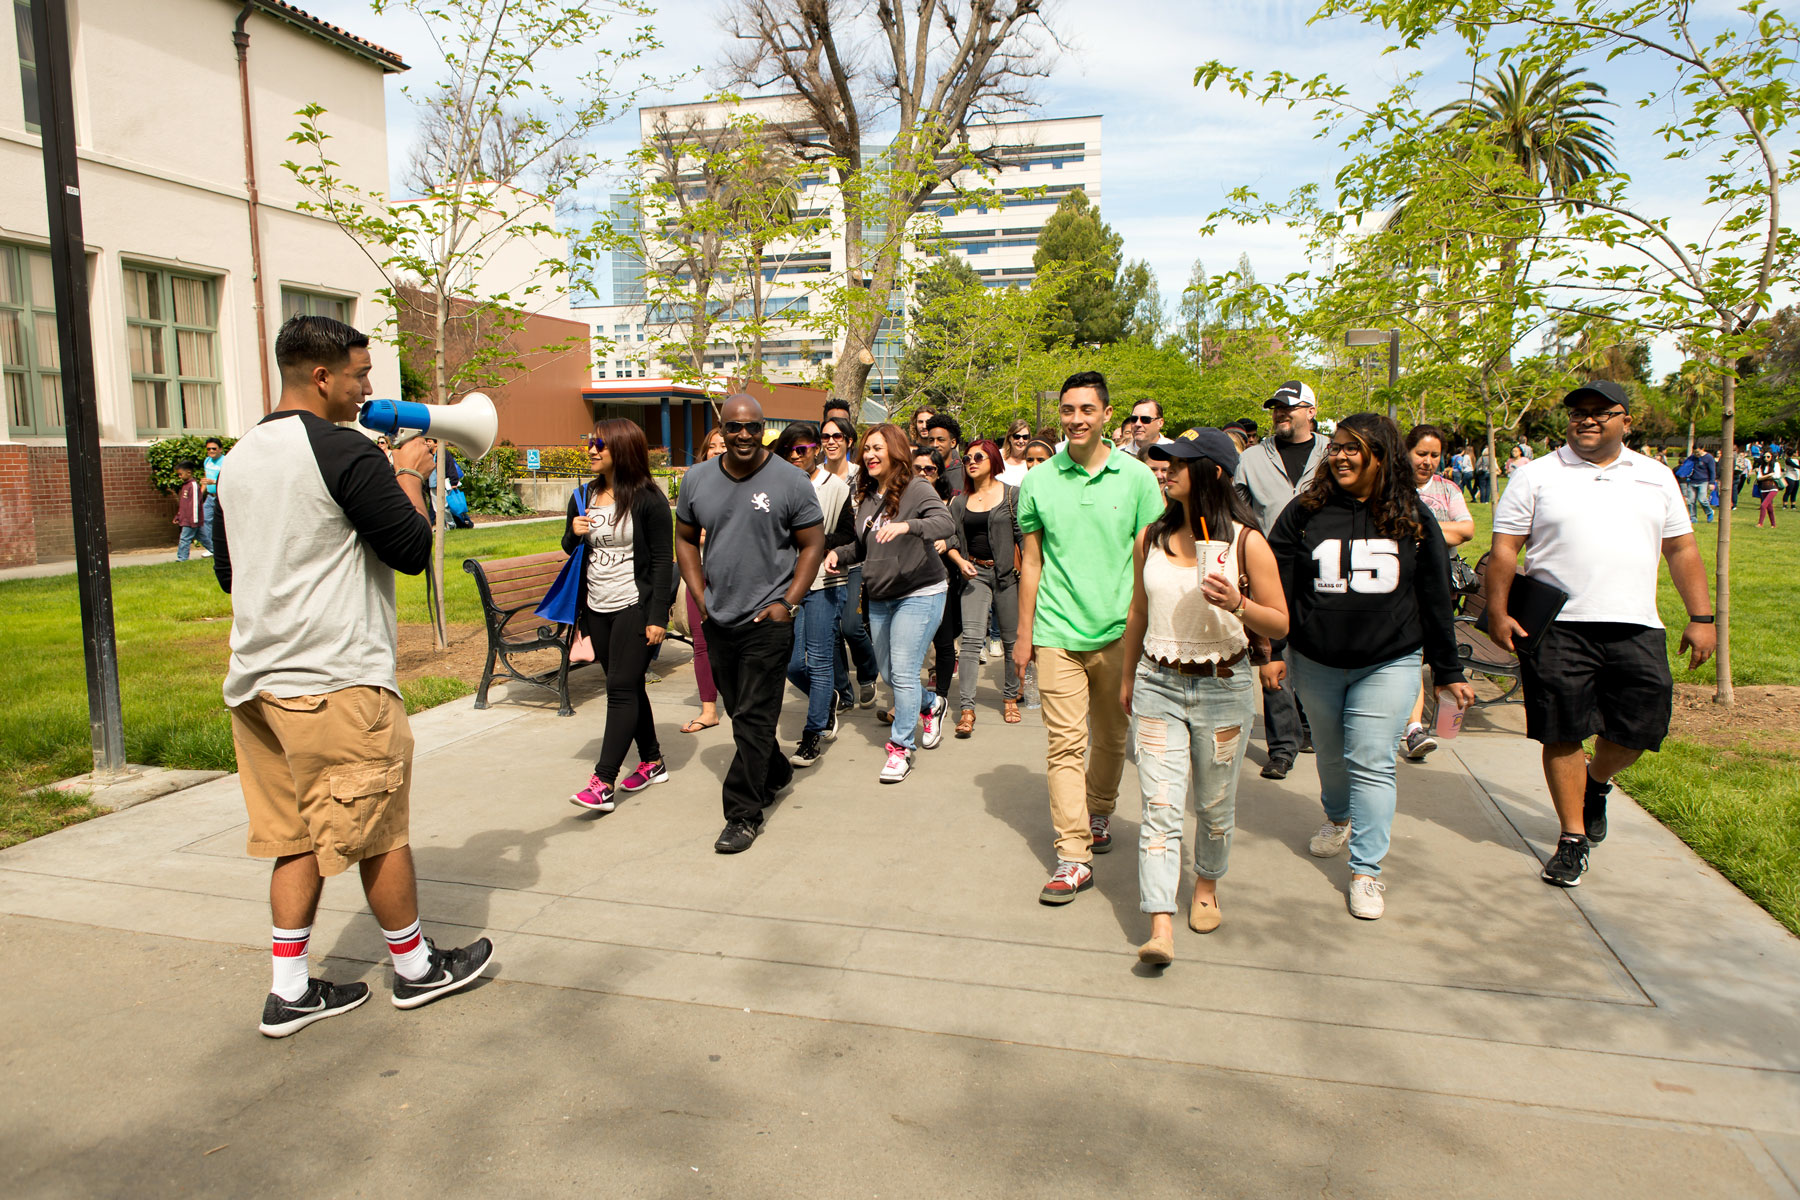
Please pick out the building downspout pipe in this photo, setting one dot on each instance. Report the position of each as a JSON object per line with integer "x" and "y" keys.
{"x": 241, "y": 38}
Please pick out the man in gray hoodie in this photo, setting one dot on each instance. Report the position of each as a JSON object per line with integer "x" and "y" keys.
{"x": 1270, "y": 474}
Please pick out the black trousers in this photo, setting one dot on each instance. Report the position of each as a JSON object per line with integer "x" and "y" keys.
{"x": 749, "y": 665}
{"x": 621, "y": 651}
{"x": 949, "y": 633}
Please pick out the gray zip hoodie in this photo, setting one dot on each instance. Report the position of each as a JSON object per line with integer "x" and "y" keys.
{"x": 1263, "y": 480}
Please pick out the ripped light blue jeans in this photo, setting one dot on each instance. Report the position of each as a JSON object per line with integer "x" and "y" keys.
{"x": 1187, "y": 726}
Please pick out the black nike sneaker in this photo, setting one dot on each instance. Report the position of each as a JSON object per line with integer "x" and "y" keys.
{"x": 322, "y": 999}
{"x": 450, "y": 970}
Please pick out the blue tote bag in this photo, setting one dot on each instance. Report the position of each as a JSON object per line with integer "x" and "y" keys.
{"x": 561, "y": 603}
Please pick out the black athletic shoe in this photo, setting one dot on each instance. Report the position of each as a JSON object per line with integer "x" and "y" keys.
{"x": 737, "y": 837}
{"x": 865, "y": 695}
{"x": 449, "y": 971}
{"x": 1569, "y": 863}
{"x": 1278, "y": 768}
{"x": 808, "y": 754}
{"x": 323, "y": 999}
{"x": 830, "y": 732}
{"x": 1593, "y": 809}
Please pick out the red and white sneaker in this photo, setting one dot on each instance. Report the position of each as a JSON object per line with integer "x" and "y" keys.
{"x": 1100, "y": 833}
{"x": 646, "y": 774}
{"x": 597, "y": 796}
{"x": 898, "y": 765}
{"x": 1070, "y": 878}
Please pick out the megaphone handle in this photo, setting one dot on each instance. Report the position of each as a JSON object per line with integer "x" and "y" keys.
{"x": 401, "y": 438}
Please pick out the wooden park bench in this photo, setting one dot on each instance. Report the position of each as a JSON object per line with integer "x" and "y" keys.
{"x": 1479, "y": 654}
{"x": 511, "y": 588}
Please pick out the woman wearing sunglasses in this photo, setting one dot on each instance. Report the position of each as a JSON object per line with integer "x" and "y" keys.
{"x": 897, "y": 518}
{"x": 1012, "y": 454}
{"x": 1367, "y": 578}
{"x": 624, "y": 599}
{"x": 812, "y": 663}
{"x": 985, "y": 552}
{"x": 837, "y": 437}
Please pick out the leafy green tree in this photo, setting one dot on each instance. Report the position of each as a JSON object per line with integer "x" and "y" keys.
{"x": 940, "y": 294}
{"x": 1194, "y": 315}
{"x": 1140, "y": 304}
{"x": 1076, "y": 239}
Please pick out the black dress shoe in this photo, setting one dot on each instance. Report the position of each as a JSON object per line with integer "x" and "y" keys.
{"x": 737, "y": 837}
{"x": 1278, "y": 768}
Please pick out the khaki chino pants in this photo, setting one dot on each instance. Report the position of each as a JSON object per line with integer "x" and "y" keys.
{"x": 1087, "y": 730}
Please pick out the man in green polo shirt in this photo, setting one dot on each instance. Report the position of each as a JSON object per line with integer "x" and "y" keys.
{"x": 1079, "y": 516}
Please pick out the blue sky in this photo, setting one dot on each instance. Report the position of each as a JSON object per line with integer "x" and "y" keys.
{"x": 1171, "y": 151}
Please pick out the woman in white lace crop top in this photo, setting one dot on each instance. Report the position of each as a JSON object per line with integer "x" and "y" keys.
{"x": 1190, "y": 688}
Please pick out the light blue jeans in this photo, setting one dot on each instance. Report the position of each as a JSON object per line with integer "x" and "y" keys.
{"x": 1187, "y": 726}
{"x": 1357, "y": 718}
{"x": 902, "y": 631}
{"x": 813, "y": 665}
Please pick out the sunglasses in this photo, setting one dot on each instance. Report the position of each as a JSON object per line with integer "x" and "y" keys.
{"x": 1137, "y": 420}
{"x": 596, "y": 443}
{"x": 754, "y": 428}
{"x": 1018, "y": 437}
{"x": 803, "y": 447}
{"x": 976, "y": 458}
{"x": 926, "y": 470}
{"x": 833, "y": 437}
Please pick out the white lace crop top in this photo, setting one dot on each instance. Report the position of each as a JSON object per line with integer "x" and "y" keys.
{"x": 1183, "y": 625}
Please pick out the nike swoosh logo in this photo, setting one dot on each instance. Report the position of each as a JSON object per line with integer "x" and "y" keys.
{"x": 424, "y": 983}
{"x": 308, "y": 1008}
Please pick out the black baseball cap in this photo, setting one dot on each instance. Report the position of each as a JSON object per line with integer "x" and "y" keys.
{"x": 1200, "y": 443}
{"x": 1603, "y": 389}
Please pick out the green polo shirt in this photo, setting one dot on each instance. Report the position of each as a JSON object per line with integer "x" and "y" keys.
{"x": 1089, "y": 521}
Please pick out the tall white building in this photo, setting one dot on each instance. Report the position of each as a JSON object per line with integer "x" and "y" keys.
{"x": 1029, "y": 166}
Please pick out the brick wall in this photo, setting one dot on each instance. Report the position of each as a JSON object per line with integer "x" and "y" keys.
{"x": 35, "y": 518}
{"x": 18, "y": 539}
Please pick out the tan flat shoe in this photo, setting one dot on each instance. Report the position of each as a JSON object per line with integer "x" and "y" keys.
{"x": 1157, "y": 952}
{"x": 1203, "y": 918}
{"x": 965, "y": 723}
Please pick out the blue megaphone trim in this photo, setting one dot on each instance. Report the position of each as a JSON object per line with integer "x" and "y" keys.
{"x": 391, "y": 416}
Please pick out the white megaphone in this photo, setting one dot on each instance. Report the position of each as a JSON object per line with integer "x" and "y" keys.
{"x": 471, "y": 425}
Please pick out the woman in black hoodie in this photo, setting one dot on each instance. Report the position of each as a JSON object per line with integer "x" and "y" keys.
{"x": 1367, "y": 578}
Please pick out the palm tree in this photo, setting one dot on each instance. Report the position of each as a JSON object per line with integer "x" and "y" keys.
{"x": 1547, "y": 123}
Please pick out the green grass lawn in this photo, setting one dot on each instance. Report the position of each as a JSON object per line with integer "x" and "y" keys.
{"x": 173, "y": 626}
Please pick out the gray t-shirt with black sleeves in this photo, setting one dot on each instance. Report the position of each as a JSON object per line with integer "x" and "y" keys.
{"x": 749, "y": 525}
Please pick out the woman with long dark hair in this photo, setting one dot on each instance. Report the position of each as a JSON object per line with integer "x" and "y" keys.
{"x": 1444, "y": 500}
{"x": 1367, "y": 580}
{"x": 837, "y": 442}
{"x": 711, "y": 446}
{"x": 1191, "y": 687}
{"x": 624, "y": 600}
{"x": 932, "y": 465}
{"x": 898, "y": 517}
{"x": 985, "y": 551}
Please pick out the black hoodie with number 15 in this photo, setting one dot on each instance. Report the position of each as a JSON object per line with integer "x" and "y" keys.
{"x": 1358, "y": 599}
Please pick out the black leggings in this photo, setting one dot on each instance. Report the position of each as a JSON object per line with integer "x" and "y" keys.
{"x": 949, "y": 632}
{"x": 621, "y": 651}
{"x": 1793, "y": 488}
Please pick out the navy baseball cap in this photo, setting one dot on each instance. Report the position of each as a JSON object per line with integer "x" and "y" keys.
{"x": 1200, "y": 443}
{"x": 1600, "y": 389}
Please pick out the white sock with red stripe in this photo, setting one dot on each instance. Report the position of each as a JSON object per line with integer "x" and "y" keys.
{"x": 290, "y": 962}
{"x": 411, "y": 958}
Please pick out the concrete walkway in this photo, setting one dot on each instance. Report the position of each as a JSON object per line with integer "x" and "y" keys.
{"x": 871, "y": 1000}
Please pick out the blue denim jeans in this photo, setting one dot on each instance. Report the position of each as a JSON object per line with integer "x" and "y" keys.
{"x": 185, "y": 542}
{"x": 902, "y": 631}
{"x": 1358, "y": 715}
{"x": 1187, "y": 726}
{"x": 812, "y": 667}
{"x": 209, "y": 508}
{"x": 856, "y": 640}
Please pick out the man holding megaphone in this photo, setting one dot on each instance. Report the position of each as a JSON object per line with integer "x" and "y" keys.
{"x": 324, "y": 749}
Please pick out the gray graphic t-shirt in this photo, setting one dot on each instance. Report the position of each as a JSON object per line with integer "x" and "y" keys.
{"x": 749, "y": 526}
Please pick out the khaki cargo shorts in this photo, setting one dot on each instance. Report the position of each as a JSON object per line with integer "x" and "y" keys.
{"x": 328, "y": 775}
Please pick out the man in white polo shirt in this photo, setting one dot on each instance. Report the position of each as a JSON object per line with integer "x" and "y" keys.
{"x": 1593, "y": 518}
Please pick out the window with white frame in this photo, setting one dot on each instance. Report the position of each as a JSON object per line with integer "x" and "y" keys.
{"x": 27, "y": 63}
{"x": 298, "y": 303}
{"x": 172, "y": 333}
{"x": 30, "y": 359}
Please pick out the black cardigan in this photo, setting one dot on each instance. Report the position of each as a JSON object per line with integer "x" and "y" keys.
{"x": 652, "y": 552}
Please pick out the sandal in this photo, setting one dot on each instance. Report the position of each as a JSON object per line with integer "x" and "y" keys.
{"x": 1013, "y": 716}
{"x": 696, "y": 725}
{"x": 965, "y": 723}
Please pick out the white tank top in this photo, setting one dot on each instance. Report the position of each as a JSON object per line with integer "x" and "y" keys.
{"x": 1184, "y": 626}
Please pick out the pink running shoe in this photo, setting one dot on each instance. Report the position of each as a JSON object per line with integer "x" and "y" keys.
{"x": 597, "y": 796}
{"x": 646, "y": 774}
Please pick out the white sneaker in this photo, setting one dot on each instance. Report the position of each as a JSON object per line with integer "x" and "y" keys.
{"x": 1365, "y": 898}
{"x": 1330, "y": 841}
{"x": 931, "y": 724}
{"x": 898, "y": 765}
